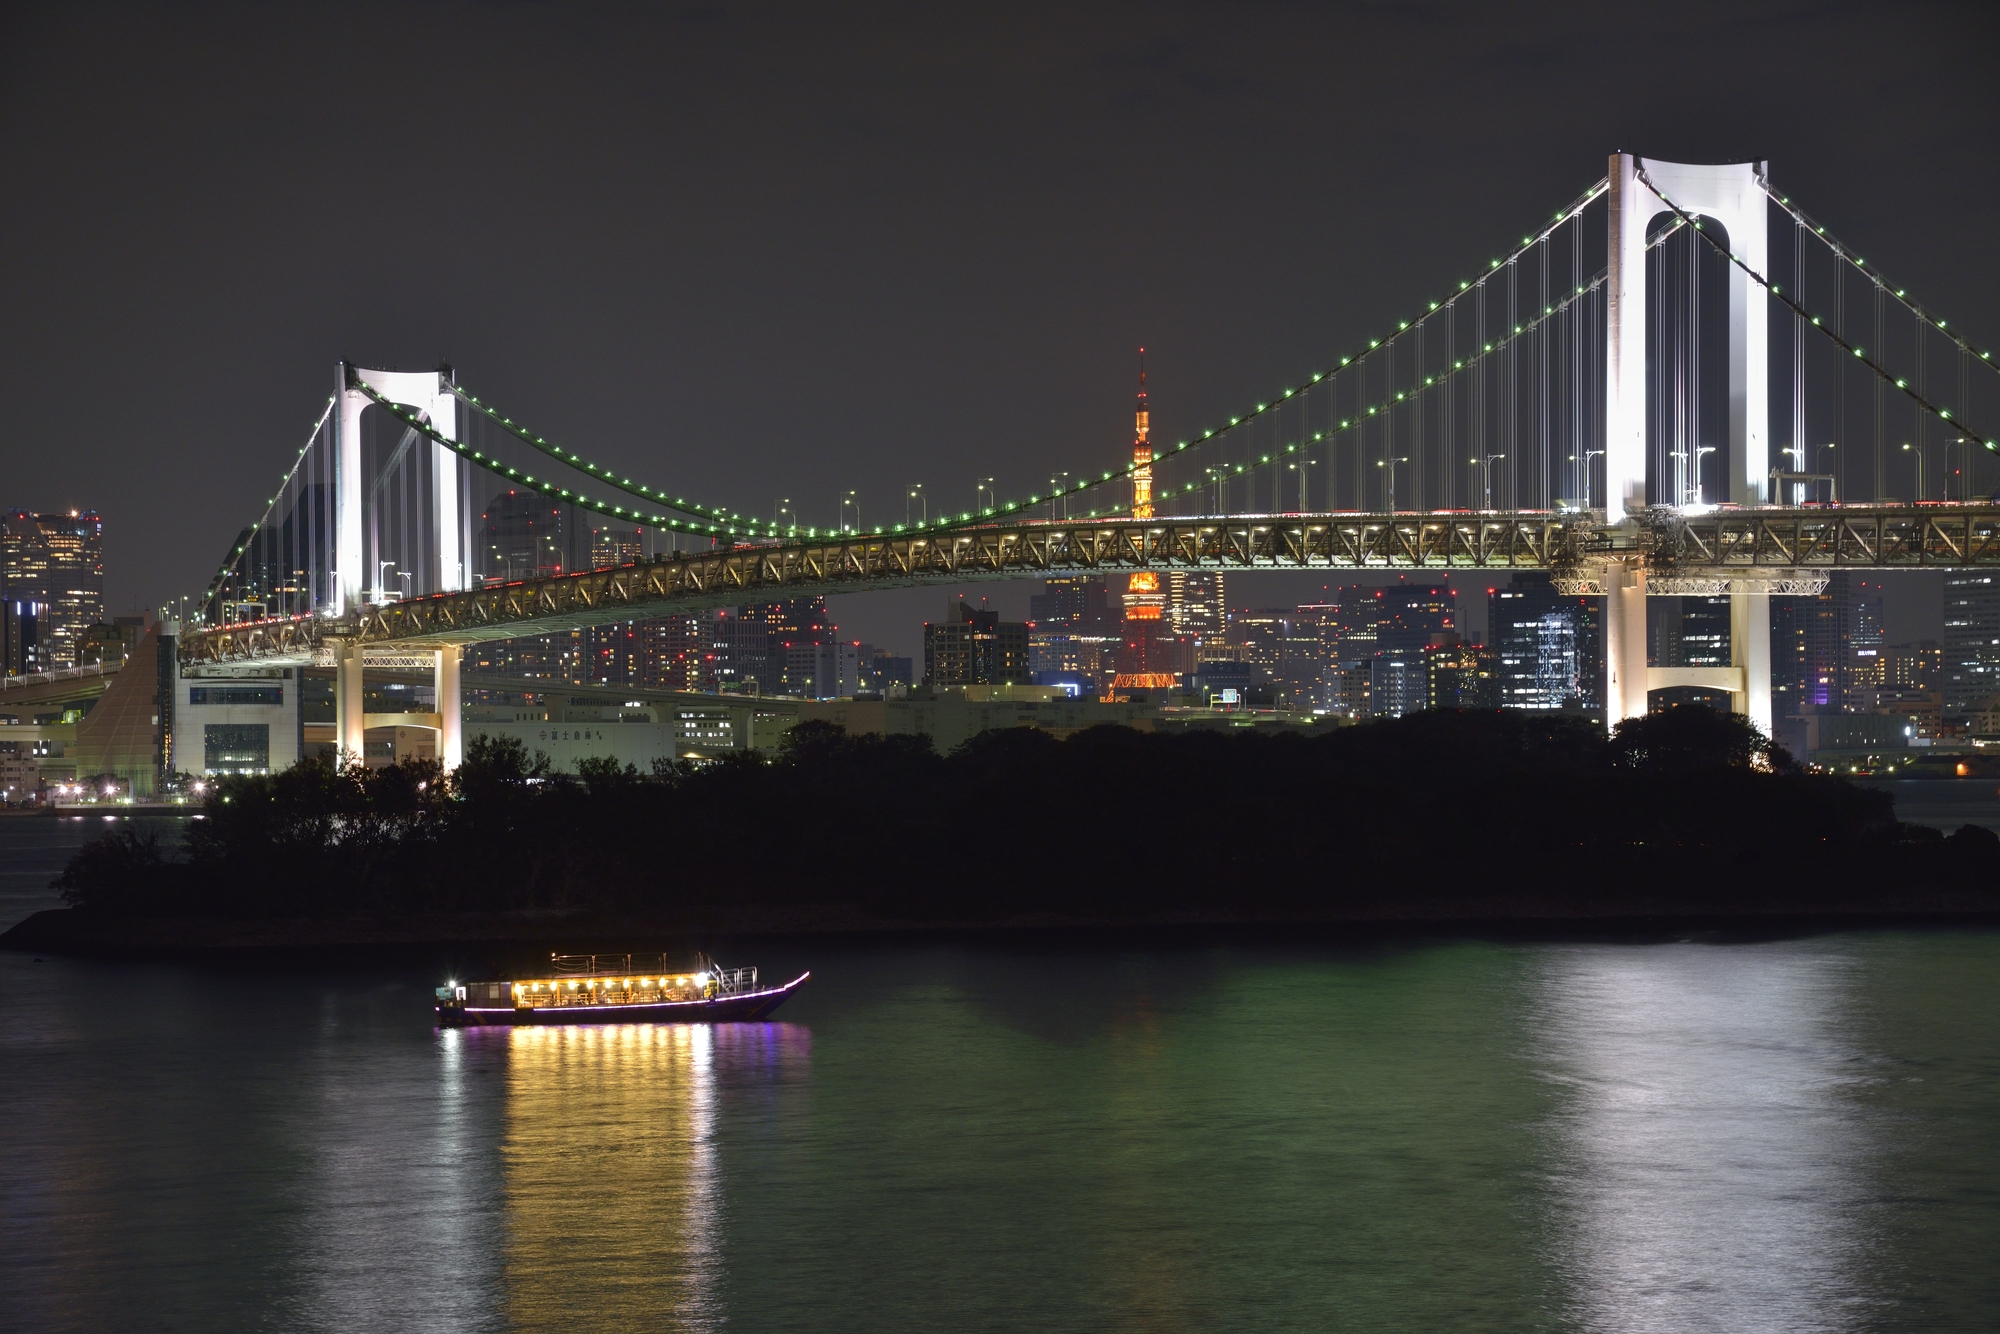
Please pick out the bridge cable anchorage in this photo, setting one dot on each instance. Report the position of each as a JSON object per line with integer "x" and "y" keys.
{"x": 1876, "y": 276}
{"x": 1942, "y": 414}
{"x": 417, "y": 422}
{"x": 1568, "y": 213}
{"x": 605, "y": 476}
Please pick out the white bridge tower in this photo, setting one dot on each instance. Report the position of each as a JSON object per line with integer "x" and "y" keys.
{"x": 1732, "y": 195}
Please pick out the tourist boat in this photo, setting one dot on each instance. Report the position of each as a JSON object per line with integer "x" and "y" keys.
{"x": 614, "y": 989}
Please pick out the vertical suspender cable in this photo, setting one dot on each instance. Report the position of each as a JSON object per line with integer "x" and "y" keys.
{"x": 1513, "y": 387}
{"x": 1476, "y": 396}
{"x": 1880, "y": 404}
{"x": 1801, "y": 449}
{"x": 1451, "y": 403}
{"x": 1919, "y": 417}
{"x": 1573, "y": 324}
{"x": 1542, "y": 403}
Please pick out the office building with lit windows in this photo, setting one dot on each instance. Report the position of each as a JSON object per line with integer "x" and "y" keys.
{"x": 55, "y": 561}
{"x": 1971, "y": 642}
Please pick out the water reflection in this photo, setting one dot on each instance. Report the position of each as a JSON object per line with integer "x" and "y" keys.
{"x": 1710, "y": 1158}
{"x": 614, "y": 1198}
{"x": 402, "y": 1183}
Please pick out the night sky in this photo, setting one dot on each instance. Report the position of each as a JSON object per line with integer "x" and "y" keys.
{"x": 753, "y": 251}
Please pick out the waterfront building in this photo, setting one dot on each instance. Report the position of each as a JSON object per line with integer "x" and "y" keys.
{"x": 57, "y": 562}
{"x": 1971, "y": 641}
{"x": 1923, "y": 708}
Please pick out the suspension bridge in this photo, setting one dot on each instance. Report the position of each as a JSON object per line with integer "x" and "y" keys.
{"x": 1594, "y": 401}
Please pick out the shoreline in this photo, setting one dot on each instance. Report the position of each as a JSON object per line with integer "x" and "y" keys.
{"x": 72, "y": 932}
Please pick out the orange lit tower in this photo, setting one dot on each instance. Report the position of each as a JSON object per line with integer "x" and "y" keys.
{"x": 1143, "y": 660}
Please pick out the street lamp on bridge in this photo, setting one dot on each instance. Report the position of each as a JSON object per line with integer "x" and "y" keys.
{"x": 915, "y": 508}
{"x": 1390, "y": 465}
{"x": 1917, "y": 452}
{"x": 1485, "y": 466}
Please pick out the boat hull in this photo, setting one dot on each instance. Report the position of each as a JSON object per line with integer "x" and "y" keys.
{"x": 746, "y": 1008}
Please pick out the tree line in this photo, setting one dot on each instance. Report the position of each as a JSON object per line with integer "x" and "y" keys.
{"x": 1439, "y": 814}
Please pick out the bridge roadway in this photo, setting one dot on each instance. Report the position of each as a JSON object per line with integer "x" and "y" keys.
{"x": 1766, "y": 549}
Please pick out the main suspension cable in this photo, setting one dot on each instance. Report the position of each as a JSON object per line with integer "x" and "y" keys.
{"x": 1874, "y": 275}
{"x": 1942, "y": 414}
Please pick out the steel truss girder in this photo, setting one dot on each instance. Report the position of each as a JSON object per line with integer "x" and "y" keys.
{"x": 694, "y": 581}
{"x": 1893, "y": 537}
{"x": 1784, "y": 551}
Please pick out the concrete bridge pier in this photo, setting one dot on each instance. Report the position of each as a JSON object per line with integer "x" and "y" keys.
{"x": 350, "y": 719}
{"x": 1625, "y": 670}
{"x": 1750, "y": 653}
{"x": 447, "y": 702}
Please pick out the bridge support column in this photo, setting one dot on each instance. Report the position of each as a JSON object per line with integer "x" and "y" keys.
{"x": 1624, "y": 642}
{"x": 1750, "y": 649}
{"x": 450, "y": 711}
{"x": 350, "y": 720}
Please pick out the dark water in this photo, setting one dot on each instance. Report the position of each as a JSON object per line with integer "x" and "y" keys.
{"x": 1946, "y": 803}
{"x": 1780, "y": 1135}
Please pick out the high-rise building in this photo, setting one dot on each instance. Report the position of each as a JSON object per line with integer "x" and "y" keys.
{"x": 1971, "y": 642}
{"x": 1919, "y": 665}
{"x": 880, "y": 670}
{"x": 1865, "y": 641}
{"x": 522, "y": 537}
{"x": 1550, "y": 654}
{"x": 1704, "y": 638}
{"x": 736, "y": 651}
{"x": 670, "y": 652}
{"x": 1398, "y": 683}
{"x": 975, "y": 648}
{"x": 57, "y": 562}
{"x": 1809, "y": 649}
{"x": 1414, "y": 616}
{"x": 1262, "y": 637}
{"x": 1075, "y": 603}
{"x": 615, "y": 546}
{"x": 24, "y": 636}
{"x": 1195, "y": 604}
{"x": 796, "y": 627}
{"x": 1461, "y": 676}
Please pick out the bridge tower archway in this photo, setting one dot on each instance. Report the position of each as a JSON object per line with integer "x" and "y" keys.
{"x": 1733, "y": 195}
{"x": 428, "y": 392}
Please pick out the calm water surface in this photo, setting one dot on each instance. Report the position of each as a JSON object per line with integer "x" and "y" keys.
{"x": 1728, "y": 1136}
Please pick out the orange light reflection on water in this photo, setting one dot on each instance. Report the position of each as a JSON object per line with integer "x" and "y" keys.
{"x": 611, "y": 1182}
